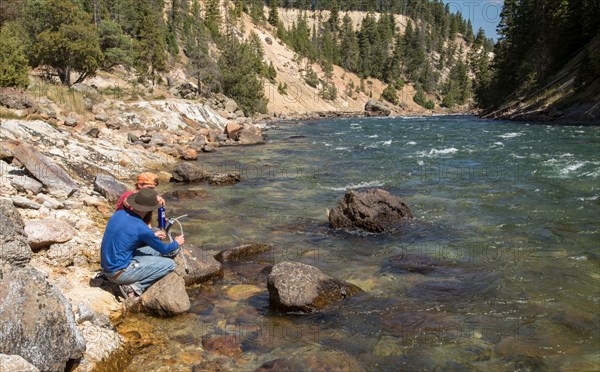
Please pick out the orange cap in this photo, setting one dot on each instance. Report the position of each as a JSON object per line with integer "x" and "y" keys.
{"x": 147, "y": 178}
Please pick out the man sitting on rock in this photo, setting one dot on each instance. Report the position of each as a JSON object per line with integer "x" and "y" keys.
{"x": 131, "y": 252}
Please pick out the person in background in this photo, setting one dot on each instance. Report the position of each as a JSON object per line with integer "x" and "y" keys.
{"x": 131, "y": 252}
{"x": 146, "y": 180}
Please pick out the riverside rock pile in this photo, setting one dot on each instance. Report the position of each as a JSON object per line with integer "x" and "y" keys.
{"x": 58, "y": 184}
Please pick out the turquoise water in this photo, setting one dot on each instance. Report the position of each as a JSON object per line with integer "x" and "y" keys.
{"x": 508, "y": 212}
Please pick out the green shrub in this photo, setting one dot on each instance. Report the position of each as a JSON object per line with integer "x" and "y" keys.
{"x": 329, "y": 92}
{"x": 282, "y": 89}
{"x": 311, "y": 77}
{"x": 390, "y": 94}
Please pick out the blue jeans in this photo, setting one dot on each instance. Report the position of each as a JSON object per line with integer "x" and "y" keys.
{"x": 146, "y": 267}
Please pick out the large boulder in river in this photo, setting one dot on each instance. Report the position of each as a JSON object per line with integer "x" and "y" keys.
{"x": 374, "y": 210}
{"x": 50, "y": 174}
{"x": 109, "y": 187}
{"x": 166, "y": 297}
{"x": 14, "y": 249}
{"x": 37, "y": 321}
{"x": 196, "y": 266}
{"x": 250, "y": 136}
{"x": 296, "y": 287}
{"x": 376, "y": 107}
{"x": 45, "y": 232}
{"x": 188, "y": 172}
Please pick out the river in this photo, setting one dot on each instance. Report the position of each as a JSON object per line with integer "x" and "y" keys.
{"x": 508, "y": 212}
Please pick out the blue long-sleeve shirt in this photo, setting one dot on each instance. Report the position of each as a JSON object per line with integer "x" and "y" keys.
{"x": 126, "y": 232}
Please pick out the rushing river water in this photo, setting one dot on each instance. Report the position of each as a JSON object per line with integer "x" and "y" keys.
{"x": 509, "y": 214}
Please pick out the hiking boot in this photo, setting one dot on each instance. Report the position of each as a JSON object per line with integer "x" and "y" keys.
{"x": 127, "y": 291}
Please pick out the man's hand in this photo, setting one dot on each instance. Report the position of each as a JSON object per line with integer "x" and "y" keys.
{"x": 180, "y": 240}
{"x": 161, "y": 234}
{"x": 160, "y": 200}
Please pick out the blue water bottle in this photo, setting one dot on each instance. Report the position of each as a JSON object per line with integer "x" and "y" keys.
{"x": 162, "y": 220}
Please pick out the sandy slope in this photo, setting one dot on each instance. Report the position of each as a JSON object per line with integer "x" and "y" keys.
{"x": 301, "y": 98}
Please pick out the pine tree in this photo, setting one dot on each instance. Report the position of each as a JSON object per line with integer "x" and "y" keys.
{"x": 349, "y": 49}
{"x": 212, "y": 17}
{"x": 150, "y": 58}
{"x": 273, "y": 12}
{"x": 240, "y": 78}
{"x": 69, "y": 43}
{"x": 115, "y": 45}
{"x": 396, "y": 63}
{"x": 200, "y": 65}
{"x": 13, "y": 61}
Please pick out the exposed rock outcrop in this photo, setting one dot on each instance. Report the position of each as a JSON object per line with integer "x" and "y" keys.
{"x": 42, "y": 233}
{"x": 50, "y": 174}
{"x": 37, "y": 321}
{"x": 14, "y": 249}
{"x": 109, "y": 187}
{"x": 374, "y": 210}
{"x": 377, "y": 107}
{"x": 296, "y": 287}
{"x": 16, "y": 363}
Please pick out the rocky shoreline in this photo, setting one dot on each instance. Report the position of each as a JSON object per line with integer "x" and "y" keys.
{"x": 60, "y": 174}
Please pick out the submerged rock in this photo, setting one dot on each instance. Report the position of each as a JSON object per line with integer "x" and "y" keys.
{"x": 224, "y": 345}
{"x": 196, "y": 266}
{"x": 242, "y": 253}
{"x": 374, "y": 210}
{"x": 420, "y": 264}
{"x": 166, "y": 297}
{"x": 187, "y": 194}
{"x": 296, "y": 287}
{"x": 37, "y": 321}
{"x": 14, "y": 249}
{"x": 224, "y": 178}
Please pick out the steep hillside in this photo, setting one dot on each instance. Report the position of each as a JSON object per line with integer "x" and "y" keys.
{"x": 561, "y": 99}
{"x": 302, "y": 98}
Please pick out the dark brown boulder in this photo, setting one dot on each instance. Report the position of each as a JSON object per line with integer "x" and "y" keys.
{"x": 296, "y": 287}
{"x": 374, "y": 210}
{"x": 188, "y": 172}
